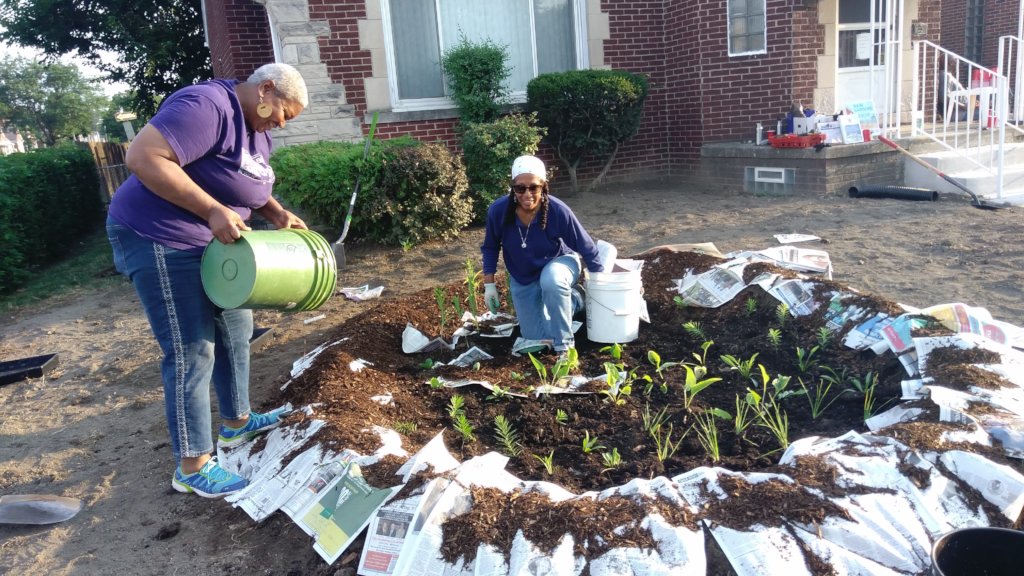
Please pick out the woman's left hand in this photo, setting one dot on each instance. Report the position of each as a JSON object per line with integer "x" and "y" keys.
{"x": 289, "y": 220}
{"x": 274, "y": 213}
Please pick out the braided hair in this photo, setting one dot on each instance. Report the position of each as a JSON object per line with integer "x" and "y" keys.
{"x": 510, "y": 212}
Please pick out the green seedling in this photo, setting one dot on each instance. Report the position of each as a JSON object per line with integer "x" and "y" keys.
{"x": 436, "y": 382}
{"x": 707, "y": 434}
{"x": 498, "y": 393}
{"x": 805, "y": 359}
{"x": 824, "y": 337}
{"x": 407, "y": 244}
{"x": 457, "y": 305}
{"x": 548, "y": 462}
{"x": 652, "y": 423}
{"x": 703, "y": 356}
{"x": 472, "y": 284}
{"x": 456, "y": 405}
{"x": 694, "y": 329}
{"x": 613, "y": 350}
{"x": 665, "y": 447}
{"x": 751, "y": 306}
{"x": 427, "y": 364}
{"x": 862, "y": 385}
{"x": 507, "y": 436}
{"x": 817, "y": 401}
{"x": 463, "y": 426}
{"x": 744, "y": 367}
{"x": 441, "y": 298}
{"x": 776, "y": 420}
{"x": 516, "y": 376}
{"x": 774, "y": 338}
{"x": 405, "y": 428}
{"x": 659, "y": 366}
{"x": 590, "y": 443}
{"x": 741, "y": 421}
{"x": 695, "y": 382}
{"x": 840, "y": 377}
{"x": 561, "y": 417}
{"x": 611, "y": 459}
{"x": 782, "y": 314}
{"x": 618, "y": 384}
{"x": 679, "y": 301}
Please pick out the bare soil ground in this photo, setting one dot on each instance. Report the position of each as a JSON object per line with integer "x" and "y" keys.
{"x": 94, "y": 429}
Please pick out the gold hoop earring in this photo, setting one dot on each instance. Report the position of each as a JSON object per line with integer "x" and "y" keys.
{"x": 264, "y": 110}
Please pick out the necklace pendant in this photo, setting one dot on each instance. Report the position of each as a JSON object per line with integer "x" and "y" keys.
{"x": 523, "y": 244}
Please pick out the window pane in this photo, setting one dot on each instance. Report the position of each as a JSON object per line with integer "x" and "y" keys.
{"x": 414, "y": 27}
{"x": 506, "y": 23}
{"x": 556, "y": 36}
{"x": 746, "y": 26}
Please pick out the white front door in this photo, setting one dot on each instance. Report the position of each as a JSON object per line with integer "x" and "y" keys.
{"x": 861, "y": 67}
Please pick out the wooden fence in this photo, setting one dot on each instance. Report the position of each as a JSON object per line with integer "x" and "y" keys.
{"x": 109, "y": 158}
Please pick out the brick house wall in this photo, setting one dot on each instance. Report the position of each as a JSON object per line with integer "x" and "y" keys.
{"x": 1000, "y": 18}
{"x": 239, "y": 37}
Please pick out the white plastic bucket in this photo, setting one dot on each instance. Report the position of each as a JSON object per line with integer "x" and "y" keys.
{"x": 614, "y": 304}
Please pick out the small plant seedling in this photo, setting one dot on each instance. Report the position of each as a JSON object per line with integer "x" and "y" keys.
{"x": 427, "y": 364}
{"x": 463, "y": 426}
{"x": 590, "y": 443}
{"x": 840, "y": 377}
{"x": 561, "y": 417}
{"x": 776, "y": 420}
{"x": 774, "y": 338}
{"x": 665, "y": 447}
{"x": 611, "y": 459}
{"x": 548, "y": 462}
{"x": 805, "y": 358}
{"x": 751, "y": 306}
{"x": 694, "y": 330}
{"x": 695, "y": 382}
{"x": 817, "y": 401}
{"x": 498, "y": 393}
{"x": 618, "y": 384}
{"x": 679, "y": 301}
{"x": 703, "y": 356}
{"x": 456, "y": 405}
{"x": 613, "y": 350}
{"x": 508, "y": 436}
{"x": 744, "y": 367}
{"x": 863, "y": 385}
{"x": 782, "y": 314}
{"x": 824, "y": 337}
{"x": 516, "y": 376}
{"x": 741, "y": 421}
{"x": 407, "y": 244}
{"x": 559, "y": 370}
{"x": 472, "y": 283}
{"x": 659, "y": 366}
{"x": 652, "y": 423}
{"x": 436, "y": 382}
{"x": 405, "y": 428}
{"x": 707, "y": 434}
{"x": 457, "y": 305}
{"x": 441, "y": 298}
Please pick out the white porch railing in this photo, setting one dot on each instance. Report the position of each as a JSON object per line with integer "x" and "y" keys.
{"x": 962, "y": 106}
{"x": 1011, "y": 65}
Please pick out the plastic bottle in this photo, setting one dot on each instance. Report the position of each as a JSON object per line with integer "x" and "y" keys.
{"x": 760, "y": 133}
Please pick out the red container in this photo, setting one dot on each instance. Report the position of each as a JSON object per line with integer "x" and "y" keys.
{"x": 794, "y": 141}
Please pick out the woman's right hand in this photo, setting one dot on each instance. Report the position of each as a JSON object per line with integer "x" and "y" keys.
{"x": 226, "y": 224}
{"x": 491, "y": 297}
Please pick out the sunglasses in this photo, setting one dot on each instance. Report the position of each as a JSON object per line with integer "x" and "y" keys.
{"x": 522, "y": 188}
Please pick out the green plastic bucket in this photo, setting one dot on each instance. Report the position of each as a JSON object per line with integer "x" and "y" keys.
{"x": 281, "y": 269}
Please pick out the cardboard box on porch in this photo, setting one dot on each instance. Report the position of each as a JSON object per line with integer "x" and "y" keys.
{"x": 802, "y": 126}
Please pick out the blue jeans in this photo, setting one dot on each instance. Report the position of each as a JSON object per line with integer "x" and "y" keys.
{"x": 545, "y": 308}
{"x": 200, "y": 341}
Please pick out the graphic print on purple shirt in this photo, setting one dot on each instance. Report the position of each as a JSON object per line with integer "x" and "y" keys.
{"x": 205, "y": 127}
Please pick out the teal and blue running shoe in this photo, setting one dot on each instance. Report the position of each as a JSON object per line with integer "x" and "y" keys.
{"x": 257, "y": 424}
{"x": 211, "y": 481}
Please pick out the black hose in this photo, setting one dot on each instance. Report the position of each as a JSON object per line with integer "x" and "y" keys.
{"x": 896, "y": 192}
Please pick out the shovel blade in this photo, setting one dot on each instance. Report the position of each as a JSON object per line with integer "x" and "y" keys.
{"x": 37, "y": 509}
{"x": 339, "y": 255}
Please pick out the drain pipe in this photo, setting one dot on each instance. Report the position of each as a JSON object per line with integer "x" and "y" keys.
{"x": 895, "y": 192}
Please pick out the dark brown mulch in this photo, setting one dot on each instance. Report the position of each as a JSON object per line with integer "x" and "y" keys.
{"x": 737, "y": 328}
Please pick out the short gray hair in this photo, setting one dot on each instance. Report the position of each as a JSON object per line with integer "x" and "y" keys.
{"x": 287, "y": 81}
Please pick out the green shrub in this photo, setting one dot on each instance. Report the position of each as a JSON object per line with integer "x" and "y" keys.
{"x": 421, "y": 194}
{"x": 50, "y": 200}
{"x": 409, "y": 192}
{"x": 587, "y": 112}
{"x": 489, "y": 148}
{"x": 476, "y": 72}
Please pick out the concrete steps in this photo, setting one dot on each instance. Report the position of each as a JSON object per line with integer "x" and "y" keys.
{"x": 978, "y": 180}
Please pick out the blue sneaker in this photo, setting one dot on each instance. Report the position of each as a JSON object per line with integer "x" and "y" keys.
{"x": 257, "y": 424}
{"x": 211, "y": 481}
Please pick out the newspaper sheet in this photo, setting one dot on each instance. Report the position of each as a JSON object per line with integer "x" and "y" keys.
{"x": 998, "y": 483}
{"x": 897, "y": 334}
{"x": 483, "y": 383}
{"x": 341, "y": 511}
{"x": 797, "y": 295}
{"x": 800, "y": 259}
{"x": 500, "y": 325}
{"x": 713, "y": 288}
{"x": 963, "y": 318}
{"x": 868, "y": 334}
{"x": 471, "y": 357}
{"x": 708, "y": 248}
{"x": 793, "y": 238}
{"x": 304, "y": 362}
{"x": 414, "y": 341}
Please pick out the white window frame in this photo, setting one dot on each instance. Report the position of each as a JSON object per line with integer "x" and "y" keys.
{"x": 728, "y": 30}
{"x": 579, "y": 15}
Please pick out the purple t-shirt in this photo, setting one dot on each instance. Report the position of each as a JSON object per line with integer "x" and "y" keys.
{"x": 205, "y": 127}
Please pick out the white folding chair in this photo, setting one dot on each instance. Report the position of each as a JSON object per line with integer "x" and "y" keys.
{"x": 956, "y": 97}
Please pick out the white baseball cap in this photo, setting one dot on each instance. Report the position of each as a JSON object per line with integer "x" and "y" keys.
{"x": 529, "y": 165}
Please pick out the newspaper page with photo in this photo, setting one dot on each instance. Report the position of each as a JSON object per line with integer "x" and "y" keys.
{"x": 800, "y": 259}
{"x": 341, "y": 511}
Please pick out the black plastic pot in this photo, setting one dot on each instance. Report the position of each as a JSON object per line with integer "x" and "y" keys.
{"x": 896, "y": 192}
{"x": 979, "y": 551}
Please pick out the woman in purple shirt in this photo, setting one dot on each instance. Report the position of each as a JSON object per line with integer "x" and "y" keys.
{"x": 199, "y": 169}
{"x": 542, "y": 243}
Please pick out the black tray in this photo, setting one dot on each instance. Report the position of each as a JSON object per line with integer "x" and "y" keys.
{"x": 34, "y": 367}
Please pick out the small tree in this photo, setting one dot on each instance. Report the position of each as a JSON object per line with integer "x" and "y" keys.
{"x": 476, "y": 73}
{"x": 587, "y": 112}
